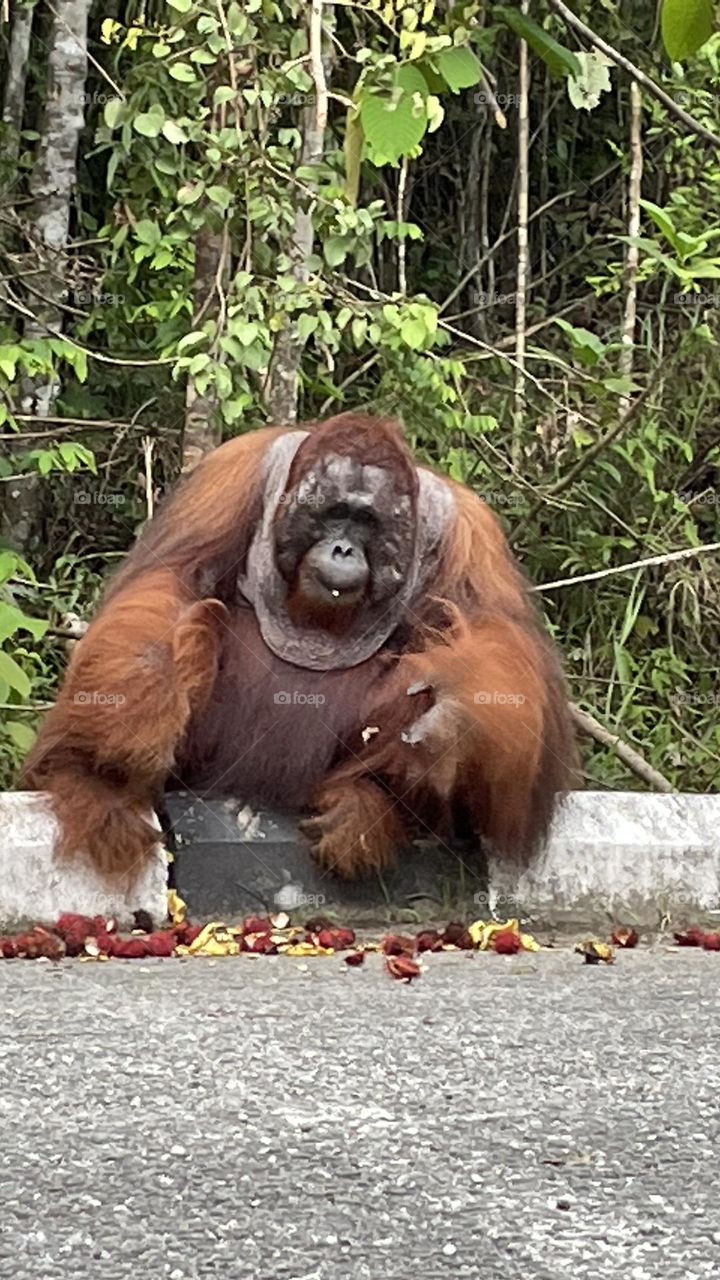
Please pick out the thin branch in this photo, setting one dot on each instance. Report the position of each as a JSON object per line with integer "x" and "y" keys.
{"x": 625, "y": 362}
{"x": 635, "y": 762}
{"x": 687, "y": 553}
{"x": 523, "y": 204}
{"x": 402, "y": 247}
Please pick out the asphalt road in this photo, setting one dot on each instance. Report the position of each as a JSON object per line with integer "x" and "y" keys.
{"x": 524, "y": 1118}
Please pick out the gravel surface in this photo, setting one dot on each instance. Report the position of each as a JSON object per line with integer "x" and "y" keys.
{"x": 524, "y": 1118}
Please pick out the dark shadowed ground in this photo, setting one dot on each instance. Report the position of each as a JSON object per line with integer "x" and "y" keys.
{"x": 500, "y": 1119}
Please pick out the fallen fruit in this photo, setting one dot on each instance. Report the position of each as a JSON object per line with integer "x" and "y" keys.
{"x": 693, "y": 937}
{"x": 594, "y": 951}
{"x": 402, "y": 967}
{"x": 625, "y": 938}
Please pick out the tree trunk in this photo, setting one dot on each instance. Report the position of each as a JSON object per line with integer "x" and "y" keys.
{"x": 52, "y": 181}
{"x": 203, "y": 430}
{"x": 281, "y": 389}
{"x": 51, "y": 185}
{"x": 14, "y": 96}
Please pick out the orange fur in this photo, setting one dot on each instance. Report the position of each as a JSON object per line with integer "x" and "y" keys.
{"x": 489, "y": 730}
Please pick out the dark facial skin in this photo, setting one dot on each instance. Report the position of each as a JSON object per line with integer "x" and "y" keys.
{"x": 345, "y": 535}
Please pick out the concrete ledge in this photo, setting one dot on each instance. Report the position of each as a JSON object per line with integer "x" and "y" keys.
{"x": 35, "y": 888}
{"x": 626, "y": 856}
{"x": 629, "y": 856}
{"x": 622, "y": 856}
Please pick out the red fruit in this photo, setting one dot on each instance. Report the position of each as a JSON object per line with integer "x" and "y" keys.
{"x": 257, "y": 924}
{"x": 71, "y": 923}
{"x": 402, "y": 967}
{"x": 626, "y": 938}
{"x": 506, "y": 943}
{"x": 336, "y": 939}
{"x": 8, "y": 948}
{"x": 162, "y": 943}
{"x": 130, "y": 948}
{"x": 692, "y": 937}
{"x": 355, "y": 958}
{"x": 395, "y": 944}
{"x": 711, "y": 942}
{"x": 454, "y": 933}
{"x": 318, "y": 923}
{"x": 186, "y": 933}
{"x": 428, "y": 940}
{"x": 259, "y": 944}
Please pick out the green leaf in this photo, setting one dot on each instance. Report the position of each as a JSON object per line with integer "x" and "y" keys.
{"x": 336, "y": 249}
{"x": 395, "y": 123}
{"x": 561, "y": 61}
{"x": 413, "y": 332}
{"x": 21, "y": 734}
{"x": 306, "y": 325}
{"x": 112, "y": 113}
{"x": 182, "y": 6}
{"x": 662, "y": 221}
{"x": 190, "y": 192}
{"x": 148, "y": 232}
{"x": 584, "y": 91}
{"x": 586, "y": 347}
{"x": 174, "y": 133}
{"x": 459, "y": 68}
{"x": 183, "y": 72}
{"x": 14, "y": 675}
{"x": 246, "y": 331}
{"x": 223, "y": 93}
{"x": 623, "y": 386}
{"x": 8, "y": 361}
{"x": 190, "y": 340}
{"x": 149, "y": 123}
{"x": 220, "y": 196}
{"x": 685, "y": 26}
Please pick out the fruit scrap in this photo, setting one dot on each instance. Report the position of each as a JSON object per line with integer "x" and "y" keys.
{"x": 428, "y": 940}
{"x": 693, "y": 937}
{"x": 594, "y": 951}
{"x": 624, "y": 938}
{"x": 355, "y": 958}
{"x": 176, "y": 908}
{"x": 496, "y": 935}
{"x": 402, "y": 967}
{"x": 396, "y": 944}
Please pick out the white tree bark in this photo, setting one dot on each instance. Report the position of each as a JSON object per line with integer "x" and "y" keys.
{"x": 51, "y": 185}
{"x": 53, "y": 176}
{"x": 14, "y": 95}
